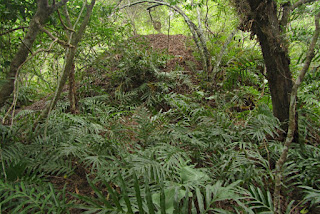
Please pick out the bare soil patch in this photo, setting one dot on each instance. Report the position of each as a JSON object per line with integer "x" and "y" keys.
{"x": 179, "y": 46}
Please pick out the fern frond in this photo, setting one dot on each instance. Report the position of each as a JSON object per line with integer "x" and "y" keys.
{"x": 258, "y": 200}
{"x": 25, "y": 198}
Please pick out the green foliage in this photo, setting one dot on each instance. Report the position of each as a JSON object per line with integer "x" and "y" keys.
{"x": 16, "y": 11}
{"x": 243, "y": 69}
{"x": 262, "y": 124}
{"x": 259, "y": 201}
{"x": 311, "y": 195}
{"x": 162, "y": 197}
{"x": 149, "y": 141}
{"x": 22, "y": 197}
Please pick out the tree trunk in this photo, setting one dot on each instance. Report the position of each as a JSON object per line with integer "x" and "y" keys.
{"x": 70, "y": 54}
{"x": 260, "y": 17}
{"x": 72, "y": 82}
{"x": 292, "y": 118}
{"x": 73, "y": 92}
{"x": 41, "y": 16}
{"x": 278, "y": 75}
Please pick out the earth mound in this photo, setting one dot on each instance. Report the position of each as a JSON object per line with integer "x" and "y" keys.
{"x": 178, "y": 46}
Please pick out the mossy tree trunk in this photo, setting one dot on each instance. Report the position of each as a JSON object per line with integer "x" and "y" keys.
{"x": 260, "y": 18}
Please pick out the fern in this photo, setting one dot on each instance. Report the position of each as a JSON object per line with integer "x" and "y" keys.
{"x": 311, "y": 195}
{"x": 306, "y": 160}
{"x": 165, "y": 197}
{"x": 262, "y": 124}
{"x": 130, "y": 199}
{"x": 25, "y": 198}
{"x": 258, "y": 200}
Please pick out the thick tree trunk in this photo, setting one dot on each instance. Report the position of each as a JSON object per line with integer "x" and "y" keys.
{"x": 278, "y": 75}
{"x": 41, "y": 16}
{"x": 261, "y": 19}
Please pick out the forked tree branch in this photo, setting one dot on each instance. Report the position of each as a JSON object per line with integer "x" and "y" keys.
{"x": 41, "y": 16}
{"x": 63, "y": 24}
{"x": 61, "y": 42}
{"x": 68, "y": 65}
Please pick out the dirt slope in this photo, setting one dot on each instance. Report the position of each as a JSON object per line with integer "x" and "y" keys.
{"x": 178, "y": 46}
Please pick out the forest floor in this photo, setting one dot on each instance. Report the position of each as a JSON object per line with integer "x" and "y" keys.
{"x": 182, "y": 53}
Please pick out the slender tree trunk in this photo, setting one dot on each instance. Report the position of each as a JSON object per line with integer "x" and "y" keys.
{"x": 72, "y": 82}
{"x": 292, "y": 118}
{"x": 69, "y": 63}
{"x": 73, "y": 92}
{"x": 222, "y": 52}
{"x": 41, "y": 16}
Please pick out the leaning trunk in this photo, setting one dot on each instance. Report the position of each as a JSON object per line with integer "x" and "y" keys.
{"x": 22, "y": 53}
{"x": 68, "y": 65}
{"x": 41, "y": 16}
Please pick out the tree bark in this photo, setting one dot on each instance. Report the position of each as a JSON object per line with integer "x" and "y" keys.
{"x": 41, "y": 16}
{"x": 69, "y": 29}
{"x": 260, "y": 17}
{"x": 73, "y": 92}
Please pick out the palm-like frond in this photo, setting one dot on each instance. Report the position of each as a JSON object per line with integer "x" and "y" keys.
{"x": 26, "y": 198}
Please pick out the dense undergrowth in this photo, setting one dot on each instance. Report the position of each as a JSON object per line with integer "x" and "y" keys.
{"x": 148, "y": 141}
